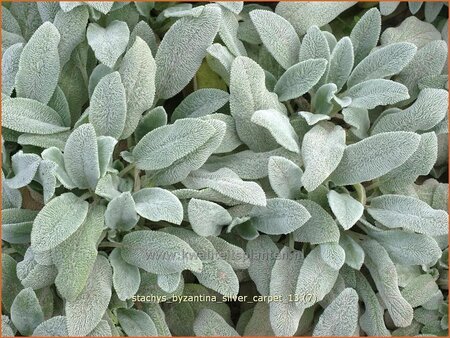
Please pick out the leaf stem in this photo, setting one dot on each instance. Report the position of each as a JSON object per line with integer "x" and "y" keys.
{"x": 289, "y": 108}
{"x": 126, "y": 170}
{"x": 361, "y": 193}
{"x": 291, "y": 241}
{"x": 87, "y": 195}
{"x": 110, "y": 245}
{"x": 137, "y": 180}
{"x": 373, "y": 186}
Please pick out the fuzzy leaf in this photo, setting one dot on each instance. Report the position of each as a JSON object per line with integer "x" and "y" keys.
{"x": 163, "y": 146}
{"x": 182, "y": 50}
{"x": 285, "y": 315}
{"x": 228, "y": 32}
{"x": 372, "y": 320}
{"x": 202, "y": 102}
{"x": 75, "y": 257}
{"x": 17, "y": 224}
{"x": 156, "y": 204}
{"x": 278, "y": 35}
{"x": 97, "y": 74}
{"x": 136, "y": 323}
{"x": 155, "y": 118}
{"x": 137, "y": 71}
{"x": 248, "y": 164}
{"x": 126, "y": 277}
{"x": 30, "y": 116}
{"x": 341, "y": 63}
{"x": 210, "y": 323}
{"x": 346, "y": 209}
{"x": 10, "y": 66}
{"x": 108, "y": 108}
{"x": 207, "y": 218}
{"x": 59, "y": 103}
{"x": 340, "y": 318}
{"x": 322, "y": 149}
{"x": 34, "y": 275}
{"x": 303, "y": 15}
{"x": 285, "y": 177}
{"x": 72, "y": 28}
{"x": 300, "y": 78}
{"x": 420, "y": 290}
{"x": 57, "y": 221}
{"x": 411, "y": 30}
{"x": 420, "y": 163}
{"x": 108, "y": 43}
{"x": 231, "y": 139}
{"x": 159, "y": 252}
{"x": 315, "y": 280}
{"x": 219, "y": 276}
{"x": 385, "y": 277}
{"x": 171, "y": 282}
{"x": 232, "y": 254}
{"x": 320, "y": 228}
{"x": 181, "y": 168}
{"x": 377, "y": 92}
{"x": 279, "y": 127}
{"x": 314, "y": 45}
{"x": 408, "y": 248}
{"x": 332, "y": 254}
{"x": 432, "y": 11}
{"x": 26, "y": 313}
{"x": 219, "y": 59}
{"x": 279, "y": 216}
{"x": 81, "y": 157}
{"x": 428, "y": 61}
{"x": 396, "y": 211}
{"x": 9, "y": 277}
{"x": 202, "y": 246}
{"x": 374, "y": 156}
{"x": 57, "y": 140}
{"x": 384, "y": 62}
{"x": 55, "y": 155}
{"x": 25, "y": 167}
{"x": 120, "y": 213}
{"x": 39, "y": 68}
{"x": 105, "y": 146}
{"x": 429, "y": 108}
{"x": 55, "y": 326}
{"x": 354, "y": 254}
{"x": 365, "y": 34}
{"x": 9, "y": 23}
{"x": 248, "y": 94}
{"x": 262, "y": 253}
{"x": 86, "y": 312}
{"x": 226, "y": 182}
{"x": 387, "y": 8}
{"x": 145, "y": 32}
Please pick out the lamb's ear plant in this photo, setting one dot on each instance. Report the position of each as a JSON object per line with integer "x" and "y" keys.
{"x": 162, "y": 159}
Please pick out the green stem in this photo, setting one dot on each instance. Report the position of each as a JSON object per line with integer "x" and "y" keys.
{"x": 137, "y": 180}
{"x": 291, "y": 241}
{"x": 356, "y": 235}
{"x": 290, "y": 109}
{"x": 87, "y": 195}
{"x": 126, "y": 170}
{"x": 361, "y": 193}
{"x": 373, "y": 186}
{"x": 194, "y": 83}
{"x": 110, "y": 245}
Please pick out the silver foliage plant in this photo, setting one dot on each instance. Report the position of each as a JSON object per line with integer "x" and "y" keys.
{"x": 159, "y": 153}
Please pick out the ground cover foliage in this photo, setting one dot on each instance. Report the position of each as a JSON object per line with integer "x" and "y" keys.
{"x": 162, "y": 159}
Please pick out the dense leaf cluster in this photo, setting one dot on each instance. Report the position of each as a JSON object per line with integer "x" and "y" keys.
{"x": 159, "y": 153}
